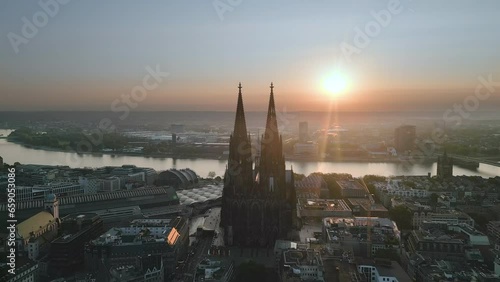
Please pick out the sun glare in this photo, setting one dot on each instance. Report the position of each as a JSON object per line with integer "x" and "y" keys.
{"x": 335, "y": 84}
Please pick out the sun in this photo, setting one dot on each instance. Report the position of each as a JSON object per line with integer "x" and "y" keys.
{"x": 335, "y": 83}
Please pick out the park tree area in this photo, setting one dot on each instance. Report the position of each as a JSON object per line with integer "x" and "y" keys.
{"x": 73, "y": 138}
{"x": 403, "y": 217}
{"x": 374, "y": 178}
{"x": 370, "y": 179}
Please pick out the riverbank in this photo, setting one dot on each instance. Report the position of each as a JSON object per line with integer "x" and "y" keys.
{"x": 12, "y": 152}
{"x": 219, "y": 157}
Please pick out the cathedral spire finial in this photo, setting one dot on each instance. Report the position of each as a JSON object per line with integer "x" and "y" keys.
{"x": 239, "y": 87}
{"x": 272, "y": 86}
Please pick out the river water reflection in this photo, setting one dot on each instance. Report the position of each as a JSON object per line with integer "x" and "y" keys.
{"x": 12, "y": 152}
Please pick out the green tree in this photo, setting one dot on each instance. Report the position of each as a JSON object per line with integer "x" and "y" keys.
{"x": 402, "y": 216}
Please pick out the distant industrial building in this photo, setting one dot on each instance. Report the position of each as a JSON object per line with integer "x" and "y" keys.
{"x": 351, "y": 188}
{"x": 179, "y": 179}
{"x": 404, "y": 138}
{"x": 39, "y": 192}
{"x": 110, "y": 206}
{"x": 36, "y": 182}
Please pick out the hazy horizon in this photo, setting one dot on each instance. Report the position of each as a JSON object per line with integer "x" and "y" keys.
{"x": 426, "y": 56}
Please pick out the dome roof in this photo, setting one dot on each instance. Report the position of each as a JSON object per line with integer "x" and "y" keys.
{"x": 50, "y": 198}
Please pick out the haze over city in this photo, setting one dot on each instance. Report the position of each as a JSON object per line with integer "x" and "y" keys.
{"x": 423, "y": 56}
{"x": 250, "y": 140}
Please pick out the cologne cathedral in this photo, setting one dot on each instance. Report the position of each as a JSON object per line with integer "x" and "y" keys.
{"x": 258, "y": 201}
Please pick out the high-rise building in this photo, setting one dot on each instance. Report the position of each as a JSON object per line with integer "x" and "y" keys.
{"x": 444, "y": 166}
{"x": 404, "y": 138}
{"x": 67, "y": 252}
{"x": 303, "y": 131}
{"x": 257, "y": 203}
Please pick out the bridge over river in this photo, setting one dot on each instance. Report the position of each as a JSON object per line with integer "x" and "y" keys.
{"x": 494, "y": 161}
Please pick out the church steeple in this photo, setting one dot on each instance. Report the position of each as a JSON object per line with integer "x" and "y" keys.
{"x": 271, "y": 132}
{"x": 240, "y": 127}
{"x": 272, "y": 162}
{"x": 240, "y": 150}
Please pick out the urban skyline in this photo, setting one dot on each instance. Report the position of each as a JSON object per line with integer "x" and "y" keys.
{"x": 250, "y": 140}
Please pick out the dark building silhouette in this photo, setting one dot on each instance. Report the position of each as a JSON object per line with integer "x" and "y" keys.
{"x": 257, "y": 202}
{"x": 444, "y": 166}
{"x": 404, "y": 138}
{"x": 303, "y": 131}
{"x": 66, "y": 252}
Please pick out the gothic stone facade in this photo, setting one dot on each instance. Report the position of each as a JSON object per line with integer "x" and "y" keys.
{"x": 258, "y": 201}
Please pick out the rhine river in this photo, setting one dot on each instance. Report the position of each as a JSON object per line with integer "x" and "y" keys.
{"x": 12, "y": 152}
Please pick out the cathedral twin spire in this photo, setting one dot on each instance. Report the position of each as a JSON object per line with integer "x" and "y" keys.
{"x": 256, "y": 207}
{"x": 271, "y": 133}
{"x": 240, "y": 128}
{"x": 271, "y": 162}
